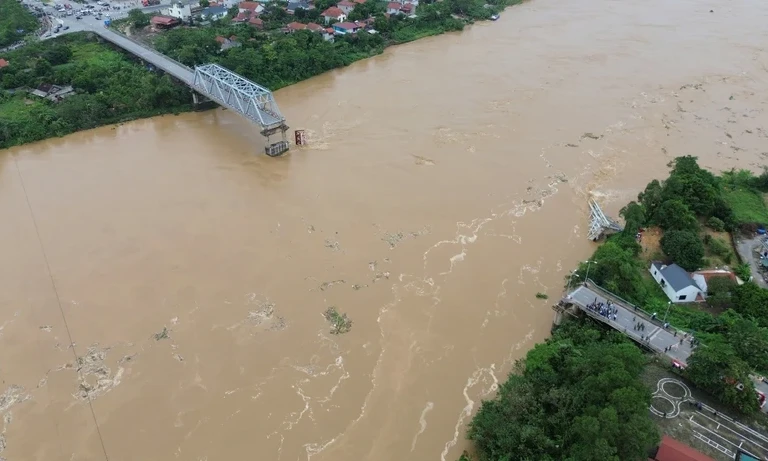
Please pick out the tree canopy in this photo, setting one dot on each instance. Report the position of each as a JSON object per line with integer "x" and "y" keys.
{"x": 15, "y": 22}
{"x": 577, "y": 396}
{"x": 109, "y": 88}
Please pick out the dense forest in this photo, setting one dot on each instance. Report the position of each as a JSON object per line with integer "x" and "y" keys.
{"x": 15, "y": 22}
{"x": 110, "y": 87}
{"x": 693, "y": 208}
{"x": 578, "y": 396}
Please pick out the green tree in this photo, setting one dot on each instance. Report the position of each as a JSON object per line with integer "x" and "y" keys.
{"x": 675, "y": 215}
{"x": 577, "y": 396}
{"x": 717, "y": 369}
{"x": 684, "y": 248}
{"x": 138, "y": 18}
{"x": 751, "y": 301}
{"x": 720, "y": 292}
{"x": 205, "y": 3}
{"x": 650, "y": 198}
{"x": 716, "y": 224}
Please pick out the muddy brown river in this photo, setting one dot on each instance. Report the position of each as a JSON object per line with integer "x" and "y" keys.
{"x": 444, "y": 185}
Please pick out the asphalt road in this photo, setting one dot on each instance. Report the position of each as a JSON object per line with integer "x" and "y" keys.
{"x": 658, "y": 338}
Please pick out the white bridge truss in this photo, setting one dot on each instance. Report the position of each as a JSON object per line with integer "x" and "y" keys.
{"x": 234, "y": 92}
{"x": 599, "y": 223}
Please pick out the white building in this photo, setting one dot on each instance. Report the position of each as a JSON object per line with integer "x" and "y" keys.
{"x": 180, "y": 11}
{"x": 677, "y": 284}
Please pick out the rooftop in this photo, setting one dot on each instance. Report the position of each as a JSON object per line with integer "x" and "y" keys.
{"x": 333, "y": 12}
{"x": 164, "y": 20}
{"x": 347, "y": 3}
{"x": 296, "y": 26}
{"x": 3, "y": 63}
{"x": 347, "y": 25}
{"x": 672, "y": 450}
{"x": 676, "y": 276}
{"x": 249, "y": 5}
{"x": 214, "y": 10}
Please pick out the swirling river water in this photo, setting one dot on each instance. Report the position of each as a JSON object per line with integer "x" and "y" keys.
{"x": 172, "y": 275}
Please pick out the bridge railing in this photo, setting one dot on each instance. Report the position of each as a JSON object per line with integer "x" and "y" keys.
{"x": 642, "y": 312}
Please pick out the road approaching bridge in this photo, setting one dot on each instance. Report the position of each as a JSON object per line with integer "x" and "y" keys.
{"x": 654, "y": 336}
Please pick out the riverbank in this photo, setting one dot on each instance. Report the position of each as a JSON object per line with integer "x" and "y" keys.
{"x": 108, "y": 86}
{"x": 690, "y": 211}
{"x": 73, "y": 83}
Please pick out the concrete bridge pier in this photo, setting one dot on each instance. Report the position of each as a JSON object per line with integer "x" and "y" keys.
{"x": 280, "y": 147}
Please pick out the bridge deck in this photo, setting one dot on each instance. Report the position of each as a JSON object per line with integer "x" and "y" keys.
{"x": 625, "y": 322}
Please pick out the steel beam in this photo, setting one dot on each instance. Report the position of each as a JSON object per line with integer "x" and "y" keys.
{"x": 234, "y": 92}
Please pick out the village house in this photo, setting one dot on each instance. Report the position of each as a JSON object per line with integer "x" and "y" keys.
{"x": 212, "y": 13}
{"x": 180, "y": 11}
{"x": 333, "y": 14}
{"x": 346, "y": 6}
{"x": 315, "y": 27}
{"x": 164, "y": 22}
{"x": 343, "y": 28}
{"x": 250, "y": 7}
{"x": 703, "y": 277}
{"x": 676, "y": 283}
{"x": 293, "y": 27}
{"x": 53, "y": 93}
{"x": 227, "y": 43}
{"x": 256, "y": 22}
{"x": 3, "y": 63}
{"x": 300, "y": 4}
{"x": 393, "y": 8}
{"x": 408, "y": 9}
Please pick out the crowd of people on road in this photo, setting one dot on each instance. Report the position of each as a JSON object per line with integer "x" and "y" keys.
{"x": 606, "y": 309}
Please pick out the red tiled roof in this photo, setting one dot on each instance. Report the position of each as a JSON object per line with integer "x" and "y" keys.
{"x": 249, "y": 5}
{"x": 330, "y": 30}
{"x": 3, "y": 63}
{"x": 242, "y": 17}
{"x": 256, "y": 22}
{"x": 221, "y": 39}
{"x": 348, "y": 25}
{"x": 393, "y": 6}
{"x": 407, "y": 8}
{"x": 314, "y": 27}
{"x": 672, "y": 450}
{"x": 164, "y": 20}
{"x": 347, "y": 3}
{"x": 332, "y": 12}
{"x": 296, "y": 26}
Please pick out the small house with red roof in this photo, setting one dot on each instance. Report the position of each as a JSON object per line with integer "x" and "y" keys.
{"x": 315, "y": 27}
{"x": 256, "y": 22}
{"x": 252, "y": 7}
{"x": 164, "y": 22}
{"x": 333, "y": 14}
{"x": 293, "y": 27}
{"x": 4, "y": 63}
{"x": 408, "y": 9}
{"x": 393, "y": 8}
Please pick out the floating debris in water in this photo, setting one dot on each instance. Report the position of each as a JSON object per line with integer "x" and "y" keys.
{"x": 359, "y": 287}
{"x": 340, "y": 323}
{"x": 325, "y": 285}
{"x": 162, "y": 335}
{"x": 332, "y": 244}
{"x": 46, "y": 328}
{"x": 591, "y": 136}
{"x": 380, "y": 276}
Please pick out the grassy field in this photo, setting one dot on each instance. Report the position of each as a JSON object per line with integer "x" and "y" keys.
{"x": 748, "y": 206}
